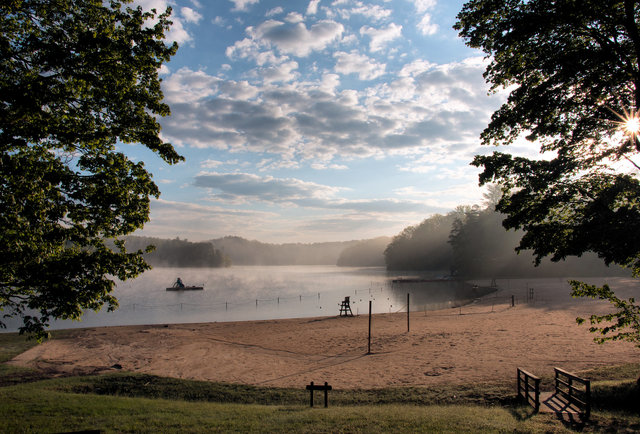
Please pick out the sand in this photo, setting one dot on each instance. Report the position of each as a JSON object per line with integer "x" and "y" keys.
{"x": 482, "y": 342}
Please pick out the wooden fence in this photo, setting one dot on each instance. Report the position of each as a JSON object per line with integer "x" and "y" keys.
{"x": 529, "y": 388}
{"x": 576, "y": 390}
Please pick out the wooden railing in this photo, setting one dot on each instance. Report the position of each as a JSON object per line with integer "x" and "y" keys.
{"x": 529, "y": 384}
{"x": 579, "y": 395}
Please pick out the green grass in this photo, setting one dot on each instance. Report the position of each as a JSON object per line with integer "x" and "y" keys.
{"x": 12, "y": 344}
{"x": 126, "y": 402}
{"x": 42, "y": 407}
{"x": 151, "y": 386}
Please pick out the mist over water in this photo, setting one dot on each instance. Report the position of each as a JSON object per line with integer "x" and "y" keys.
{"x": 243, "y": 293}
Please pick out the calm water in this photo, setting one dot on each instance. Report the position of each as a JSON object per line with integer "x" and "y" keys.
{"x": 256, "y": 293}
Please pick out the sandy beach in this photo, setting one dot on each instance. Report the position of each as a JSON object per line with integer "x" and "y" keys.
{"x": 484, "y": 341}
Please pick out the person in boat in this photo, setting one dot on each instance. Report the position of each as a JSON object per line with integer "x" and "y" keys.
{"x": 179, "y": 283}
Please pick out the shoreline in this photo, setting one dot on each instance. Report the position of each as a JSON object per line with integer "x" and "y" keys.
{"x": 481, "y": 342}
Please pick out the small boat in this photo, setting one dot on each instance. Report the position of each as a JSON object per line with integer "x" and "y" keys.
{"x": 185, "y": 288}
{"x": 179, "y": 286}
{"x": 421, "y": 280}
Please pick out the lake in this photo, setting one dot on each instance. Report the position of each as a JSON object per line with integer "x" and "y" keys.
{"x": 243, "y": 293}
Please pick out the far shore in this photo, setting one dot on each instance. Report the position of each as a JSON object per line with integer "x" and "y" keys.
{"x": 482, "y": 342}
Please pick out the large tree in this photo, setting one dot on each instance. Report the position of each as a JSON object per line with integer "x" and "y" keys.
{"x": 571, "y": 69}
{"x": 77, "y": 77}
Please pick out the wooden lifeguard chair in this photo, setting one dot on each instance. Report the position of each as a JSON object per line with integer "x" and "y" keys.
{"x": 345, "y": 307}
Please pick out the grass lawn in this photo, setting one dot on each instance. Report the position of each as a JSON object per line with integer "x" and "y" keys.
{"x": 124, "y": 402}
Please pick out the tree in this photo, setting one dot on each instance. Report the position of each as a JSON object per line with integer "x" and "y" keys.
{"x": 422, "y": 247}
{"x": 574, "y": 80}
{"x": 76, "y": 78}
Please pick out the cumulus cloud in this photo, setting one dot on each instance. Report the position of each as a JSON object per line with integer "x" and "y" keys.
{"x": 312, "y": 9}
{"x": 424, "y": 5}
{"x": 294, "y": 17}
{"x": 279, "y": 73}
{"x": 372, "y": 12}
{"x": 381, "y": 36}
{"x": 275, "y": 11}
{"x": 190, "y": 15}
{"x": 243, "y": 5}
{"x": 426, "y": 27}
{"x": 429, "y": 108}
{"x": 296, "y": 38}
{"x": 355, "y": 63}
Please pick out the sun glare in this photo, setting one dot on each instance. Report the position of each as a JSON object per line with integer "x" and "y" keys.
{"x": 629, "y": 123}
{"x": 632, "y": 125}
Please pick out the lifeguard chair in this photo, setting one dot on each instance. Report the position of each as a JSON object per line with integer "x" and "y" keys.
{"x": 345, "y": 307}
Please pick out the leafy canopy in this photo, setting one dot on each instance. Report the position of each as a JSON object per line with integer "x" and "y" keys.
{"x": 76, "y": 78}
{"x": 571, "y": 68}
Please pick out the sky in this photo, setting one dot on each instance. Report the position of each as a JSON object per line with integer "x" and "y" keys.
{"x": 316, "y": 120}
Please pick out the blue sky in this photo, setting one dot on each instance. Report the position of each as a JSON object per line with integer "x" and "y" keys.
{"x": 309, "y": 121}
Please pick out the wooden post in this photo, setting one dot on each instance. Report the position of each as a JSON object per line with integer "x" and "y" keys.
{"x": 513, "y": 301}
{"x": 408, "y": 310}
{"x": 369, "y": 340}
{"x": 326, "y": 394}
{"x": 311, "y": 387}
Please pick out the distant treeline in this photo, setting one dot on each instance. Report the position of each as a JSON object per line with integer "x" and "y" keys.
{"x": 367, "y": 253}
{"x": 178, "y": 253}
{"x": 472, "y": 242}
{"x": 467, "y": 242}
{"x": 248, "y": 252}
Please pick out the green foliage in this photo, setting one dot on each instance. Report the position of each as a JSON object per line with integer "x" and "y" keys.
{"x": 573, "y": 75}
{"x": 571, "y": 68}
{"x": 623, "y": 324}
{"x": 179, "y": 253}
{"x": 422, "y": 247}
{"x": 367, "y": 253}
{"x": 76, "y": 78}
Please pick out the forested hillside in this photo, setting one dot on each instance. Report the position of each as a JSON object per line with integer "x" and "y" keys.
{"x": 367, "y": 253}
{"x": 178, "y": 253}
{"x": 248, "y": 252}
{"x": 471, "y": 242}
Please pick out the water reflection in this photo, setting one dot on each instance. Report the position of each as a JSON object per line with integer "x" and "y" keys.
{"x": 257, "y": 293}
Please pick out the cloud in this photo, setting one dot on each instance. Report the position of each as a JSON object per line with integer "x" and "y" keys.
{"x": 243, "y": 5}
{"x": 284, "y": 72}
{"x": 426, "y": 27}
{"x": 312, "y": 9}
{"x": 436, "y": 110}
{"x": 264, "y": 189}
{"x": 275, "y": 11}
{"x": 177, "y": 32}
{"x": 369, "y": 11}
{"x": 294, "y": 17}
{"x": 203, "y": 222}
{"x": 239, "y": 188}
{"x": 381, "y": 36}
{"x": 424, "y": 5}
{"x": 190, "y": 15}
{"x": 355, "y": 63}
{"x": 296, "y": 38}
